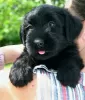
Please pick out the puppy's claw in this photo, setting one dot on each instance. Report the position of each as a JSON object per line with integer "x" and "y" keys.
{"x": 20, "y": 77}
{"x": 69, "y": 78}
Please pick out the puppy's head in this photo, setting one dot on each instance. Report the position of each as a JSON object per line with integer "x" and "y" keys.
{"x": 47, "y": 30}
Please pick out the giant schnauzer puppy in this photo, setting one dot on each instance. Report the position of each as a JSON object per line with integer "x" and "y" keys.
{"x": 48, "y": 35}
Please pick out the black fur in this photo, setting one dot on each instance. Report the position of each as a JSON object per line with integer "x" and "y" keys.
{"x": 53, "y": 30}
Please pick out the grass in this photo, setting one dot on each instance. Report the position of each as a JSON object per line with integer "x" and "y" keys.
{"x": 8, "y": 66}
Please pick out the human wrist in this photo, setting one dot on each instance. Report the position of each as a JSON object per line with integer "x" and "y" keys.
{"x": 1, "y": 60}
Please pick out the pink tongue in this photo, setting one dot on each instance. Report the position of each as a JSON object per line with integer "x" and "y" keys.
{"x": 41, "y": 52}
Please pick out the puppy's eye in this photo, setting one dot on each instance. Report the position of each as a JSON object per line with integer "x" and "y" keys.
{"x": 51, "y": 24}
{"x": 29, "y": 26}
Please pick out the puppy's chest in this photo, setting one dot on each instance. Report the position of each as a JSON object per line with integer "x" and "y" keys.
{"x": 50, "y": 63}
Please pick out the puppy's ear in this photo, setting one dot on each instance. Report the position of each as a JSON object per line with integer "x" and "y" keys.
{"x": 72, "y": 25}
{"x": 23, "y": 30}
{"x": 22, "y": 34}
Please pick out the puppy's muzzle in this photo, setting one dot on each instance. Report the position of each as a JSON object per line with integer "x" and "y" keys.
{"x": 39, "y": 43}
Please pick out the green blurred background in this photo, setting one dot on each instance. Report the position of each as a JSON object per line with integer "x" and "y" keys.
{"x": 11, "y": 15}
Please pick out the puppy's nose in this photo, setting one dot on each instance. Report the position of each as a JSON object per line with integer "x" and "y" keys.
{"x": 39, "y": 43}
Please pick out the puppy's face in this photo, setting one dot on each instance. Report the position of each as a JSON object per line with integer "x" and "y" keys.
{"x": 44, "y": 32}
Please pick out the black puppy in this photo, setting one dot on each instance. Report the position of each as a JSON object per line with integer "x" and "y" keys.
{"x": 48, "y": 34}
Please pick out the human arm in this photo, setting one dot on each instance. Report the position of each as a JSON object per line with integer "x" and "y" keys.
{"x": 10, "y": 92}
{"x": 11, "y": 53}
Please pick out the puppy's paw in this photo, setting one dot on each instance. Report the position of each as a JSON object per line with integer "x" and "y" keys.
{"x": 20, "y": 77}
{"x": 69, "y": 77}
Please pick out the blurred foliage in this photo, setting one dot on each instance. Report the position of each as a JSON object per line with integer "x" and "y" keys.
{"x": 7, "y": 66}
{"x": 11, "y": 14}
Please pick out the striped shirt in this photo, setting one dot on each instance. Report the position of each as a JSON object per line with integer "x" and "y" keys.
{"x": 49, "y": 88}
{"x": 1, "y": 60}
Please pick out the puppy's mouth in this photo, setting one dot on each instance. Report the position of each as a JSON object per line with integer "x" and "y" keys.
{"x": 41, "y": 52}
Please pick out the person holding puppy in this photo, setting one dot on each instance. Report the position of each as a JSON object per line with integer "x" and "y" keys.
{"x": 16, "y": 93}
{"x": 8, "y": 54}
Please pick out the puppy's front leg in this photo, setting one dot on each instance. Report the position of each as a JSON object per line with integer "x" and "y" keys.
{"x": 69, "y": 67}
{"x": 21, "y": 73}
